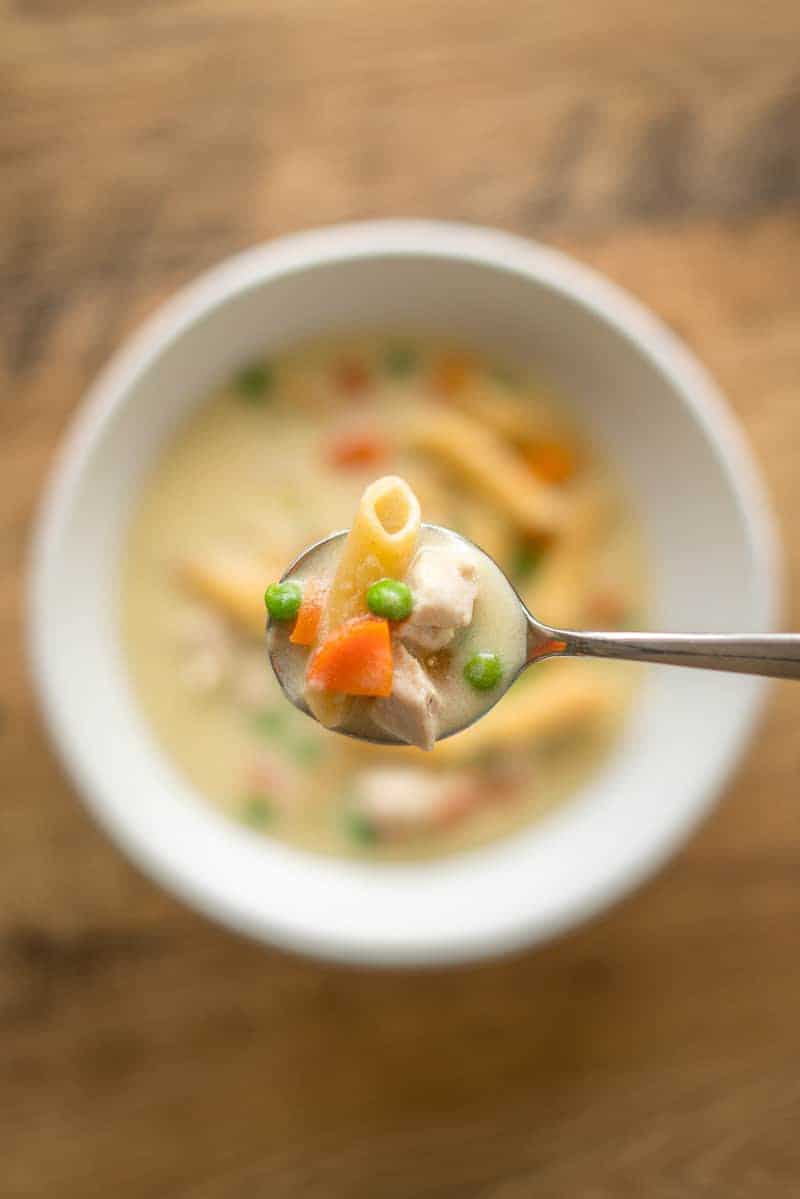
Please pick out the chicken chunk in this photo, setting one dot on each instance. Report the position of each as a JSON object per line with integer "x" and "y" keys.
{"x": 444, "y": 583}
{"x": 402, "y": 801}
{"x": 426, "y": 638}
{"x": 411, "y": 712}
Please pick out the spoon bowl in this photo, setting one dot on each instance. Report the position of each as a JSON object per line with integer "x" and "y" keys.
{"x": 313, "y": 562}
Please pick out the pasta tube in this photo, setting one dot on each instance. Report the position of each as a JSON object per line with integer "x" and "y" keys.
{"x": 535, "y": 711}
{"x": 563, "y": 699}
{"x": 557, "y": 593}
{"x": 506, "y": 413}
{"x": 381, "y": 543}
{"x": 233, "y": 584}
{"x": 486, "y": 464}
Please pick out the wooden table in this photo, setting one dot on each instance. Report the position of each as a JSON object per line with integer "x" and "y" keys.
{"x": 144, "y": 1052}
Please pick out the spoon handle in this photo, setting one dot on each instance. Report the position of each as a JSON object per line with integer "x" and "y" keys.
{"x": 776, "y": 655}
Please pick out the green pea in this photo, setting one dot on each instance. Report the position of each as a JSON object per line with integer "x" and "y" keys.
{"x": 399, "y": 360}
{"x": 358, "y": 828}
{"x": 307, "y": 752}
{"x": 256, "y": 811}
{"x": 390, "y": 598}
{"x": 527, "y": 559}
{"x": 271, "y": 722}
{"x": 255, "y": 381}
{"x": 283, "y": 599}
{"x": 483, "y": 671}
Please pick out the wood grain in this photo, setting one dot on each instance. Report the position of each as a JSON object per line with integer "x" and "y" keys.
{"x": 144, "y": 1052}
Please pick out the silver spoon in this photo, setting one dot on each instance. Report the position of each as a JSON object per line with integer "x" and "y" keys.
{"x": 775, "y": 655}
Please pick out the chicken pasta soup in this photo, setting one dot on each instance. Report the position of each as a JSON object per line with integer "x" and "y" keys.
{"x": 396, "y": 631}
{"x": 274, "y": 461}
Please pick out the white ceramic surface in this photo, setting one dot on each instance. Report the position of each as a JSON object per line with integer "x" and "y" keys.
{"x": 640, "y": 394}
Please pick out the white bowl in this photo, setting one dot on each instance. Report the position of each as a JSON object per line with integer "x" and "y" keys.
{"x": 639, "y": 393}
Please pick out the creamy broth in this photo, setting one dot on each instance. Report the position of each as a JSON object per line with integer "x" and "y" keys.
{"x": 272, "y": 463}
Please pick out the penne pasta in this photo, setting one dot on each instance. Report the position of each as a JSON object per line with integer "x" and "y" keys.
{"x": 557, "y": 593}
{"x": 233, "y": 584}
{"x": 483, "y": 462}
{"x": 519, "y": 419}
{"x": 529, "y": 714}
{"x": 487, "y": 527}
{"x": 535, "y": 711}
{"x": 381, "y": 543}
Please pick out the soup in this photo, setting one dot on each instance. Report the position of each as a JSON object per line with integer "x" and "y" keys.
{"x": 270, "y": 464}
{"x": 396, "y": 632}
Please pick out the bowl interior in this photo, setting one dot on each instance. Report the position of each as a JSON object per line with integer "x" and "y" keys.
{"x": 641, "y": 398}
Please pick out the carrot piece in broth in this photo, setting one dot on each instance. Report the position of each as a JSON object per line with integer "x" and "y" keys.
{"x": 355, "y": 660}
{"x": 308, "y": 618}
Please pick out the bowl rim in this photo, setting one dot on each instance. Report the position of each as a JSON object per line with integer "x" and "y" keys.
{"x": 341, "y": 243}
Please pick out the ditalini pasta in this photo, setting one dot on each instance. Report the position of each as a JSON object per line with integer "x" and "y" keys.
{"x": 273, "y": 462}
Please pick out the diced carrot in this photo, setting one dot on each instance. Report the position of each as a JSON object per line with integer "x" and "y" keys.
{"x": 355, "y": 660}
{"x": 307, "y": 622}
{"x": 451, "y": 373}
{"x": 361, "y": 447}
{"x": 352, "y": 376}
{"x": 551, "y": 461}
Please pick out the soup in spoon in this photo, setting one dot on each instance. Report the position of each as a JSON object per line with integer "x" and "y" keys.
{"x": 398, "y": 632}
